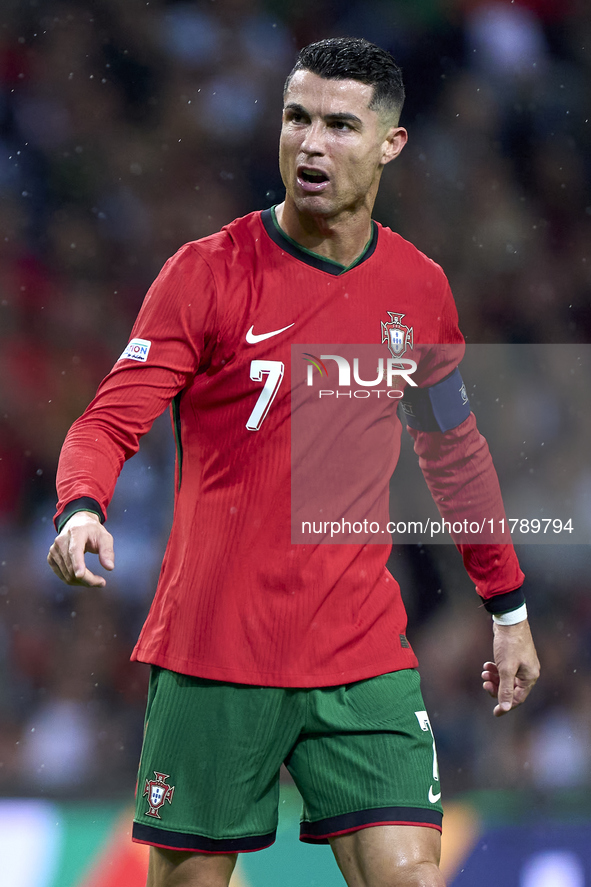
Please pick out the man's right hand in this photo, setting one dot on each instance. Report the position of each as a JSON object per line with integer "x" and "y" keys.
{"x": 81, "y": 533}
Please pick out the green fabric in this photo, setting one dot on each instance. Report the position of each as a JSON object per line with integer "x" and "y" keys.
{"x": 356, "y": 747}
{"x": 318, "y": 255}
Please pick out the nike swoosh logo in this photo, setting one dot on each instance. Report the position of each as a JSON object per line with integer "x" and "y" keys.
{"x": 433, "y": 798}
{"x": 253, "y": 338}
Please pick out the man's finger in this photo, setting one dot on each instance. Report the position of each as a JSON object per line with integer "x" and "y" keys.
{"x": 59, "y": 561}
{"x": 490, "y": 672}
{"x": 56, "y": 565}
{"x": 95, "y": 540}
{"x": 59, "y": 566}
{"x": 505, "y": 692}
{"x": 77, "y": 547}
{"x": 90, "y": 580}
{"x": 490, "y": 679}
{"x": 106, "y": 552}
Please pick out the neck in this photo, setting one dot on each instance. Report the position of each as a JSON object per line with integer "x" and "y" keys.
{"x": 342, "y": 240}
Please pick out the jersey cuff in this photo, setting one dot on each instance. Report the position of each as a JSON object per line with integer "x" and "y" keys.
{"x": 439, "y": 407}
{"x": 501, "y": 603}
{"x": 85, "y": 503}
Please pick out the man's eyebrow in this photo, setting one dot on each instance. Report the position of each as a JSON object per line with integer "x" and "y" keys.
{"x": 293, "y": 106}
{"x": 345, "y": 116}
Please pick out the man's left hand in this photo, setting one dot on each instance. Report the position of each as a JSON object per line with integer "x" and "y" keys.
{"x": 516, "y": 667}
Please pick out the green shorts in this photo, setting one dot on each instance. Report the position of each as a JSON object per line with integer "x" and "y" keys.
{"x": 361, "y": 754}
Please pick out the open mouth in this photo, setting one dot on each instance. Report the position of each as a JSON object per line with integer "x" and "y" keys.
{"x": 312, "y": 180}
{"x": 314, "y": 176}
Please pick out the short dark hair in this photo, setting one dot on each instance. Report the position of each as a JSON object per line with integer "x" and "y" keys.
{"x": 344, "y": 58}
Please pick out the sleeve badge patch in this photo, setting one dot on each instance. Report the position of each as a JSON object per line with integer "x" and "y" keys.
{"x": 138, "y": 349}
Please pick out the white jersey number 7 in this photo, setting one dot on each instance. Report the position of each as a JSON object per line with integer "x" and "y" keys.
{"x": 273, "y": 370}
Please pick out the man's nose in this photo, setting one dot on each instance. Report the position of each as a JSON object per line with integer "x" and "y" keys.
{"x": 315, "y": 139}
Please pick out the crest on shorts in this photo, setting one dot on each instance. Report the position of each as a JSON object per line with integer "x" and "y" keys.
{"x": 398, "y": 336}
{"x": 158, "y": 791}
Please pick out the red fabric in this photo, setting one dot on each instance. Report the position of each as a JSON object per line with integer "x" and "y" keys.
{"x": 236, "y": 600}
{"x": 463, "y": 482}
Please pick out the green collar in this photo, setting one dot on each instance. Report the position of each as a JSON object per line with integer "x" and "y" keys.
{"x": 291, "y": 246}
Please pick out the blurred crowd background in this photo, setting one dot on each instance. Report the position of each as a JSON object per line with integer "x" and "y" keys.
{"x": 128, "y": 128}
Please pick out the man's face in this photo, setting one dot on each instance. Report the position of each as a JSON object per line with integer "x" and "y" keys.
{"x": 333, "y": 147}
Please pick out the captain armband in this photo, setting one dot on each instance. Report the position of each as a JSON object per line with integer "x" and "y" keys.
{"x": 440, "y": 407}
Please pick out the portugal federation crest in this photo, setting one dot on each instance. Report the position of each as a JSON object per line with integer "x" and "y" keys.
{"x": 397, "y": 335}
{"x": 158, "y": 791}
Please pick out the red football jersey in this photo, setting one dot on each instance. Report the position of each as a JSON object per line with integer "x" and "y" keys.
{"x": 237, "y": 600}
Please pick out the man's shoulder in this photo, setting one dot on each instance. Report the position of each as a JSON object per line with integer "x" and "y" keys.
{"x": 399, "y": 249}
{"x": 239, "y": 234}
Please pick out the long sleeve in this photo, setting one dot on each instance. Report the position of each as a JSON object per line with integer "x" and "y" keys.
{"x": 169, "y": 343}
{"x": 461, "y": 477}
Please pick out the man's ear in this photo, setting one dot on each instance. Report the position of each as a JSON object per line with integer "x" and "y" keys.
{"x": 394, "y": 141}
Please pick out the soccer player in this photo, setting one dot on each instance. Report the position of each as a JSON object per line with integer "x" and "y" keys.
{"x": 265, "y": 651}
